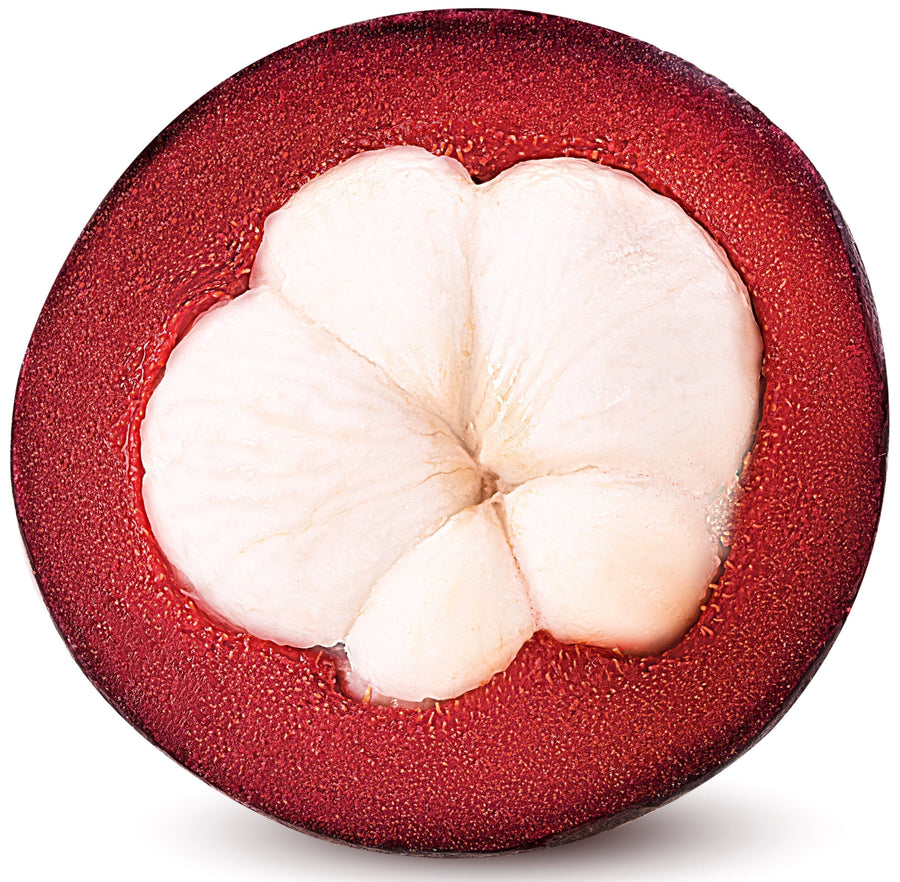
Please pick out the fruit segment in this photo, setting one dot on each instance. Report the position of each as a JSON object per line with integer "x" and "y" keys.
{"x": 328, "y": 456}
{"x": 447, "y": 616}
{"x": 375, "y": 251}
{"x": 610, "y": 560}
{"x": 285, "y": 474}
{"x": 614, "y": 333}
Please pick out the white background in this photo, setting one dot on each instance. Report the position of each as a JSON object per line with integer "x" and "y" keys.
{"x": 85, "y": 87}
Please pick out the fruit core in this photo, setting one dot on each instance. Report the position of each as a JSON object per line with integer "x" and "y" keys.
{"x": 448, "y": 415}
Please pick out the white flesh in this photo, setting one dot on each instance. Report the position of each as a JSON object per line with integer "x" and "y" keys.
{"x": 375, "y": 252}
{"x": 317, "y": 450}
{"x": 285, "y": 475}
{"x": 612, "y": 560}
{"x": 454, "y": 599}
{"x": 615, "y": 333}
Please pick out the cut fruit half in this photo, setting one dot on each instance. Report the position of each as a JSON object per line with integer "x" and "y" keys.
{"x": 407, "y": 333}
{"x": 518, "y": 388}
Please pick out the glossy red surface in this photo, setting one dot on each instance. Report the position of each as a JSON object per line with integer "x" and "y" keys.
{"x": 569, "y": 739}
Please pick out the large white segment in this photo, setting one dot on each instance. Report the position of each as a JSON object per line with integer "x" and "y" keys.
{"x": 376, "y": 251}
{"x": 614, "y": 561}
{"x": 285, "y": 475}
{"x": 447, "y": 616}
{"x": 610, "y": 331}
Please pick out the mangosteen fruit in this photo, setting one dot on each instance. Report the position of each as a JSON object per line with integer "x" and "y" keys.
{"x": 456, "y": 419}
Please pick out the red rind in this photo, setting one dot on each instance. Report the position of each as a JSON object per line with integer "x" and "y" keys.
{"x": 568, "y": 739}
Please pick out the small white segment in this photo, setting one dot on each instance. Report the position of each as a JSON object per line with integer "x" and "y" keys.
{"x": 450, "y": 614}
{"x": 610, "y": 331}
{"x": 285, "y": 475}
{"x": 376, "y": 252}
{"x": 615, "y": 562}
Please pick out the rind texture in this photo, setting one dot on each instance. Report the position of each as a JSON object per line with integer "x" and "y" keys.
{"x": 584, "y": 739}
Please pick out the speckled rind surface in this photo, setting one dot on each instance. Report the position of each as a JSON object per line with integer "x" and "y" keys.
{"x": 569, "y": 739}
